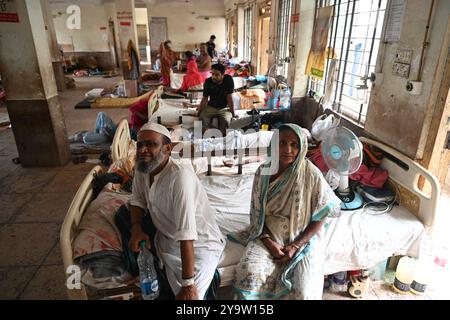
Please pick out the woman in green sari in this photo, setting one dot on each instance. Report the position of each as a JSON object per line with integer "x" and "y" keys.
{"x": 283, "y": 258}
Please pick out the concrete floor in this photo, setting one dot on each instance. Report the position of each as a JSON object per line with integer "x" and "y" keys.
{"x": 34, "y": 202}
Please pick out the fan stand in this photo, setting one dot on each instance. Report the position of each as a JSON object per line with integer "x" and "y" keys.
{"x": 351, "y": 200}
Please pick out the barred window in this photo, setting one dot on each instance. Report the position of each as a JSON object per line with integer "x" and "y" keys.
{"x": 353, "y": 39}
{"x": 248, "y": 33}
{"x": 283, "y": 33}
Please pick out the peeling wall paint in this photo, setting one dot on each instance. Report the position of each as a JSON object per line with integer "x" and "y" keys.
{"x": 395, "y": 116}
{"x": 22, "y": 77}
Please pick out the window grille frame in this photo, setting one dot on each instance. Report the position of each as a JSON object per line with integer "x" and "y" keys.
{"x": 283, "y": 32}
{"x": 343, "y": 36}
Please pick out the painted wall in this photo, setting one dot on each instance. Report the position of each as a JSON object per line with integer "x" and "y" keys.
{"x": 110, "y": 11}
{"x": 185, "y": 29}
{"x": 90, "y": 38}
{"x": 394, "y": 116}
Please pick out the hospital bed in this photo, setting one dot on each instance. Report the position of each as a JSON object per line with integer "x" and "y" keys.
{"x": 356, "y": 240}
{"x": 172, "y": 112}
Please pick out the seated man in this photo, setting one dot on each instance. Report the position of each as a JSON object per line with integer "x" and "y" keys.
{"x": 187, "y": 240}
{"x": 219, "y": 89}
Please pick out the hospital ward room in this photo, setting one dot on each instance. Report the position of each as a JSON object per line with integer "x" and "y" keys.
{"x": 225, "y": 150}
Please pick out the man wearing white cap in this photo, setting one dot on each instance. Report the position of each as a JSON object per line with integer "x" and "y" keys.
{"x": 188, "y": 240}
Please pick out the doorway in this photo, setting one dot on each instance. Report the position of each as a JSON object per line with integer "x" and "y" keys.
{"x": 263, "y": 44}
{"x": 142, "y": 35}
{"x": 158, "y": 34}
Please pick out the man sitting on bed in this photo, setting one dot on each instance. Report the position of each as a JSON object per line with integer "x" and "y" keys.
{"x": 217, "y": 99}
{"x": 168, "y": 195}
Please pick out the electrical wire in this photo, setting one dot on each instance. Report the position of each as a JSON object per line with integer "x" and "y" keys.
{"x": 373, "y": 208}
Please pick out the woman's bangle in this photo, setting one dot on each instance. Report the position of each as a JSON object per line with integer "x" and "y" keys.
{"x": 264, "y": 236}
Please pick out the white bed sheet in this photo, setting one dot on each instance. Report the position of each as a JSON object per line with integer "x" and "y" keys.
{"x": 372, "y": 239}
{"x": 232, "y": 212}
{"x": 355, "y": 240}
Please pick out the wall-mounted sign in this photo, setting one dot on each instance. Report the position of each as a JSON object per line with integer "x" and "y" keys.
{"x": 124, "y": 15}
{"x": 395, "y": 21}
{"x": 8, "y": 12}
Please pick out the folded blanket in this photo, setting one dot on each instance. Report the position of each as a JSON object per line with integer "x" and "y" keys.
{"x": 118, "y": 102}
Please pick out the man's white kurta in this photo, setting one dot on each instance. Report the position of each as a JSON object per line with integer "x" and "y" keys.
{"x": 180, "y": 210}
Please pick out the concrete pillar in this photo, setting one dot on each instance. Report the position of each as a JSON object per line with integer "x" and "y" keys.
{"x": 32, "y": 98}
{"x": 56, "y": 56}
{"x": 126, "y": 19}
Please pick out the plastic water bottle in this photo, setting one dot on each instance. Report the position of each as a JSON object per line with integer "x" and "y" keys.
{"x": 285, "y": 99}
{"x": 339, "y": 281}
{"x": 272, "y": 100}
{"x": 147, "y": 274}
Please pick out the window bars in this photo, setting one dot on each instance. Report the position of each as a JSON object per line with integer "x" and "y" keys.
{"x": 283, "y": 33}
{"x": 353, "y": 40}
{"x": 248, "y": 33}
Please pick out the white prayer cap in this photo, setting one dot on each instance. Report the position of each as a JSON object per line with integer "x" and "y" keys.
{"x": 157, "y": 128}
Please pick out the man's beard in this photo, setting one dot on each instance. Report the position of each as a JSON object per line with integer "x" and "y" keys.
{"x": 149, "y": 167}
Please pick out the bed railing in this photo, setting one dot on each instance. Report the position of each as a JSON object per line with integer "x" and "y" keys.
{"x": 69, "y": 230}
{"x": 406, "y": 173}
{"x": 121, "y": 141}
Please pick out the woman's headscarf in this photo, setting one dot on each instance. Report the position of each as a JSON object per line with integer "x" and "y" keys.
{"x": 301, "y": 187}
{"x": 192, "y": 77}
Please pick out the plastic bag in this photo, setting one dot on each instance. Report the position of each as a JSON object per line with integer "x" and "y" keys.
{"x": 323, "y": 124}
{"x": 333, "y": 179}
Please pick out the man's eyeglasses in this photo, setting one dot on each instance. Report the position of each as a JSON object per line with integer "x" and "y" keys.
{"x": 146, "y": 143}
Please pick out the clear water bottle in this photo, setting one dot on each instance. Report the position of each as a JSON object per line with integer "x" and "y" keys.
{"x": 272, "y": 100}
{"x": 147, "y": 274}
{"x": 285, "y": 99}
{"x": 339, "y": 281}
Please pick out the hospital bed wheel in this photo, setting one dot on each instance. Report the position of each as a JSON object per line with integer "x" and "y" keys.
{"x": 358, "y": 286}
